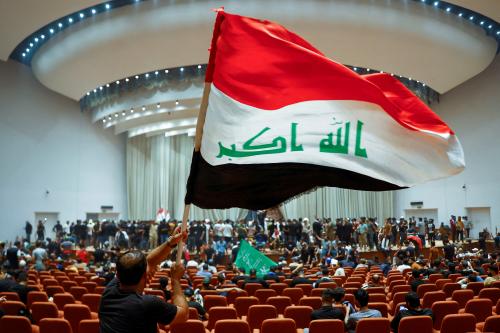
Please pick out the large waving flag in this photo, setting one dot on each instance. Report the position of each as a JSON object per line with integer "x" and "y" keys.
{"x": 283, "y": 119}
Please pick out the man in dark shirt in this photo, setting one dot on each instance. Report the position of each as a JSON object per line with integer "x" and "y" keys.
{"x": 413, "y": 308}
{"x": 449, "y": 250}
{"x": 300, "y": 279}
{"x": 254, "y": 279}
{"x": 327, "y": 311}
{"x": 192, "y": 303}
{"x": 124, "y": 309}
{"x": 417, "y": 280}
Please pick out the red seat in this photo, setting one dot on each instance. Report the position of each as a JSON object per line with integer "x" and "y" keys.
{"x": 417, "y": 324}
{"x": 90, "y": 286}
{"x": 373, "y": 325}
{"x": 92, "y": 301}
{"x": 376, "y": 290}
{"x": 12, "y": 308}
{"x": 441, "y": 282}
{"x": 231, "y": 326}
{"x": 480, "y": 308}
{"x": 191, "y": 326}
{"x": 68, "y": 284}
{"x": 217, "y": 313}
{"x": 431, "y": 297}
{"x": 89, "y": 326}
{"x": 17, "y": 324}
{"x": 441, "y": 309}
{"x": 491, "y": 293}
{"x": 377, "y": 298}
{"x": 36, "y": 296}
{"x": 326, "y": 326}
{"x": 462, "y": 297}
{"x": 317, "y": 292}
{"x": 492, "y": 324}
{"x": 258, "y": 313}
{"x": 306, "y": 288}
{"x": 10, "y": 296}
{"x": 250, "y": 288}
{"x": 449, "y": 288}
{"x": 264, "y": 294}
{"x": 313, "y": 302}
{"x": 279, "y": 302}
{"x": 475, "y": 287}
{"x": 300, "y": 314}
{"x": 284, "y": 325}
{"x": 295, "y": 294}
{"x": 424, "y": 288}
{"x": 232, "y": 295}
{"x": 434, "y": 277}
{"x": 78, "y": 292}
{"x": 41, "y": 310}
{"x": 278, "y": 287}
{"x": 458, "y": 323}
{"x": 242, "y": 304}
{"x": 62, "y": 299}
{"x": 331, "y": 285}
{"x": 211, "y": 301}
{"x": 52, "y": 290}
{"x": 75, "y": 313}
{"x": 380, "y": 306}
{"x": 193, "y": 314}
{"x": 54, "y": 325}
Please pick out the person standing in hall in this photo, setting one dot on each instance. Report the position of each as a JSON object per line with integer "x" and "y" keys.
{"x": 460, "y": 229}
{"x": 40, "y": 231}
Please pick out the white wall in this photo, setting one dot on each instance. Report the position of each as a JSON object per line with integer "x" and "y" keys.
{"x": 472, "y": 110}
{"x": 47, "y": 143}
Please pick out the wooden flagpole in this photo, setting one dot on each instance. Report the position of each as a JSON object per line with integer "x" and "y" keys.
{"x": 197, "y": 146}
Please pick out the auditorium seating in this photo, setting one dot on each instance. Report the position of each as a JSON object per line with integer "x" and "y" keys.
{"x": 419, "y": 324}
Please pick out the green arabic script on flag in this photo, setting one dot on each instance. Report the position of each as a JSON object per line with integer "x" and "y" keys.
{"x": 250, "y": 258}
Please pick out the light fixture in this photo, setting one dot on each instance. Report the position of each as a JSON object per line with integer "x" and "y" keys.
{"x": 51, "y": 30}
{"x": 28, "y": 50}
{"x": 36, "y": 39}
{"x": 116, "y": 115}
{"x": 137, "y": 76}
{"x": 123, "y": 113}
{"x": 355, "y": 68}
{"x": 423, "y": 84}
{"x": 88, "y": 94}
{"x": 158, "y": 105}
{"x": 107, "y": 85}
{"x": 60, "y": 25}
{"x": 436, "y": 3}
{"x": 42, "y": 36}
{"x": 107, "y": 6}
{"x": 117, "y": 82}
{"x": 93, "y": 11}
{"x": 166, "y": 71}
{"x": 182, "y": 69}
{"x": 199, "y": 66}
{"x": 31, "y": 44}
{"x": 24, "y": 54}
{"x": 482, "y": 22}
{"x": 143, "y": 108}
{"x": 146, "y": 75}
{"x": 70, "y": 20}
{"x": 132, "y": 110}
{"x": 109, "y": 118}
{"x": 95, "y": 90}
{"x": 489, "y": 27}
{"x": 104, "y": 120}
{"x": 100, "y": 88}
{"x": 126, "y": 80}
{"x": 156, "y": 72}
{"x": 460, "y": 14}
{"x": 367, "y": 69}
{"x": 448, "y": 9}
{"x": 498, "y": 32}
{"x": 82, "y": 15}
{"x": 176, "y": 102}
{"x": 471, "y": 18}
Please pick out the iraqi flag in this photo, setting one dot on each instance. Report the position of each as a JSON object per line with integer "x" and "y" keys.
{"x": 283, "y": 119}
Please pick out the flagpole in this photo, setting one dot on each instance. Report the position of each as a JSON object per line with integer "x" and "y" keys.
{"x": 197, "y": 147}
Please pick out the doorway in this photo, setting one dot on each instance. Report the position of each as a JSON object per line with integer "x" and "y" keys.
{"x": 480, "y": 218}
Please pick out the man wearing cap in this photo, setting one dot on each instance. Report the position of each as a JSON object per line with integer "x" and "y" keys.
{"x": 124, "y": 309}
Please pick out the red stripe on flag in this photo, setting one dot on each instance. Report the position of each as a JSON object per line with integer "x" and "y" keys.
{"x": 263, "y": 65}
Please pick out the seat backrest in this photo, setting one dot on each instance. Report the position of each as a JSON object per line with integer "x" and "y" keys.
{"x": 295, "y": 294}
{"x": 62, "y": 299}
{"x": 12, "y": 308}
{"x": 331, "y": 285}
{"x": 399, "y": 297}
{"x": 92, "y": 301}
{"x": 52, "y": 290}
{"x": 376, "y": 290}
{"x": 491, "y": 293}
{"x": 373, "y": 325}
{"x": 220, "y": 312}
{"x": 264, "y": 294}
{"x": 78, "y": 292}
{"x": 10, "y": 296}
{"x": 431, "y": 297}
{"x": 380, "y": 306}
{"x": 17, "y": 324}
{"x": 318, "y": 292}
{"x": 377, "y": 298}
{"x": 441, "y": 282}
{"x": 480, "y": 308}
{"x": 313, "y": 302}
{"x": 241, "y": 304}
{"x": 475, "y": 287}
{"x": 231, "y": 326}
{"x": 326, "y": 326}
{"x": 258, "y": 313}
{"x": 52, "y": 325}
{"x": 416, "y": 324}
{"x": 250, "y": 288}
{"x": 279, "y": 302}
{"x": 89, "y": 326}
{"x": 492, "y": 324}
{"x": 400, "y": 288}
{"x": 232, "y": 295}
{"x": 282, "y": 325}
{"x": 458, "y": 323}
{"x": 434, "y": 277}
{"x": 68, "y": 284}
{"x": 40, "y": 310}
{"x": 90, "y": 286}
{"x": 424, "y": 288}
{"x": 191, "y": 326}
{"x": 462, "y": 296}
{"x": 441, "y": 309}
{"x": 449, "y": 288}
{"x": 193, "y": 313}
{"x": 306, "y": 288}
{"x": 37, "y": 296}
{"x": 300, "y": 314}
{"x": 209, "y": 301}
{"x": 75, "y": 313}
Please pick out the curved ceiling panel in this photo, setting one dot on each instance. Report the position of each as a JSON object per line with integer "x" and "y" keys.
{"x": 407, "y": 38}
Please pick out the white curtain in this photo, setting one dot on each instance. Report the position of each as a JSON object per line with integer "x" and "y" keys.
{"x": 157, "y": 172}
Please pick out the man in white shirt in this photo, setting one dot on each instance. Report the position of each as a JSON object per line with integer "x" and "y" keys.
{"x": 218, "y": 230}
{"x": 403, "y": 266}
{"x": 228, "y": 232}
{"x": 340, "y": 270}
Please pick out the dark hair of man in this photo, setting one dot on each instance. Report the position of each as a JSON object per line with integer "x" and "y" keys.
{"x": 362, "y": 297}
{"x": 494, "y": 268}
{"x": 338, "y": 294}
{"x": 163, "y": 282}
{"x": 253, "y": 272}
{"x": 412, "y": 300}
{"x": 205, "y": 267}
{"x": 131, "y": 267}
{"x": 272, "y": 268}
{"x": 472, "y": 278}
{"x": 324, "y": 271}
{"x": 328, "y": 295}
{"x": 415, "y": 273}
{"x": 242, "y": 270}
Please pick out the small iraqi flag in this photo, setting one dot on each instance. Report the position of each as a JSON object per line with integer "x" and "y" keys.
{"x": 283, "y": 119}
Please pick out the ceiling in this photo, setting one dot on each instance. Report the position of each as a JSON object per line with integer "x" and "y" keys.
{"x": 403, "y": 37}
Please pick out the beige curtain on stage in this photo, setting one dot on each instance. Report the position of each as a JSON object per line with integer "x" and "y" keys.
{"x": 157, "y": 172}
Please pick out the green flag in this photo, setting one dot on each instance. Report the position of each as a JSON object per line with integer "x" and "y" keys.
{"x": 250, "y": 258}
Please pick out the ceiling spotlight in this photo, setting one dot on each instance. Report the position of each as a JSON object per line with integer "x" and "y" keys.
{"x": 448, "y": 9}
{"x": 489, "y": 27}
{"x": 199, "y": 66}
{"x": 36, "y": 39}
{"x": 498, "y": 32}
{"x": 137, "y": 76}
{"x": 436, "y": 3}
{"x": 88, "y": 93}
{"x": 31, "y": 44}
{"x": 109, "y": 118}
{"x": 70, "y": 20}
{"x": 107, "y": 85}
{"x": 126, "y": 80}
{"x": 116, "y": 115}
{"x": 123, "y": 113}
{"x": 100, "y": 88}
{"x": 107, "y": 6}
{"x": 146, "y": 75}
{"x": 156, "y": 72}
{"x": 95, "y": 90}
{"x": 355, "y": 68}
{"x": 42, "y": 36}
{"x": 51, "y": 30}
{"x": 132, "y": 110}
{"x": 423, "y": 84}
{"x": 166, "y": 71}
{"x": 471, "y": 18}
{"x": 182, "y": 69}
{"x": 59, "y": 25}
{"x": 460, "y": 14}
{"x": 143, "y": 108}
{"x": 24, "y": 54}
{"x": 158, "y": 105}
{"x": 367, "y": 69}
{"x": 104, "y": 120}
{"x": 82, "y": 15}
{"x": 176, "y": 102}
{"x": 93, "y": 11}
{"x": 117, "y": 82}
{"x": 28, "y": 50}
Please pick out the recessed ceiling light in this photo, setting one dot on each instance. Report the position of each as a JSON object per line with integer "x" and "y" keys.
{"x": 42, "y": 36}
{"x": 31, "y": 44}
{"x": 177, "y": 102}
{"x": 448, "y": 9}
{"x": 108, "y": 6}
{"x": 51, "y": 31}
{"x": 137, "y": 76}
{"x": 158, "y": 105}
{"x": 24, "y": 54}
{"x": 166, "y": 71}
{"x": 199, "y": 66}
{"x": 117, "y": 82}
{"x": 143, "y": 108}
{"x": 156, "y": 72}
{"x": 107, "y": 85}
{"x": 70, "y": 20}
{"x": 146, "y": 75}
{"x": 93, "y": 11}
{"x": 82, "y": 15}
{"x": 100, "y": 88}
{"x": 60, "y": 25}
{"x": 36, "y": 39}
{"x": 126, "y": 80}
{"x": 182, "y": 69}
